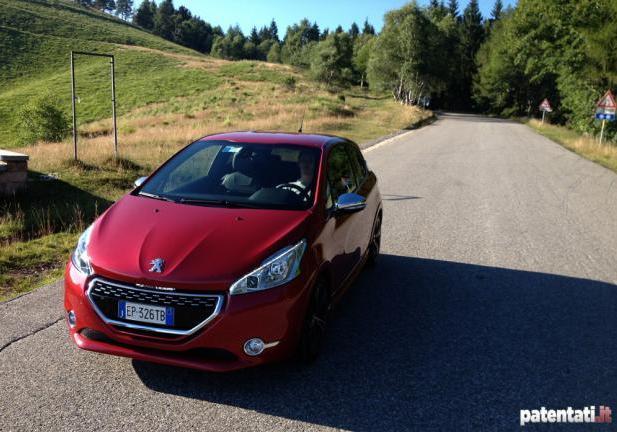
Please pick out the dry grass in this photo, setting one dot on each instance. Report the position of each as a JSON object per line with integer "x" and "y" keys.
{"x": 588, "y": 147}
{"x": 148, "y": 138}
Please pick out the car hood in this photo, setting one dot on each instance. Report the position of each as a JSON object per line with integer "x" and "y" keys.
{"x": 206, "y": 247}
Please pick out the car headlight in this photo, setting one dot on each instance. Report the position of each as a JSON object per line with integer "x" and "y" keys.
{"x": 80, "y": 257}
{"x": 277, "y": 270}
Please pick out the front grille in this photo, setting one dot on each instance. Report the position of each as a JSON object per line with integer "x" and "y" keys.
{"x": 191, "y": 311}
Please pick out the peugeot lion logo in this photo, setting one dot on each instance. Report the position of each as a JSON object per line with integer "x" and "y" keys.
{"x": 158, "y": 264}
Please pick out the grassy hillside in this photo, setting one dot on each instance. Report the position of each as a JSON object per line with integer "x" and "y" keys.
{"x": 167, "y": 96}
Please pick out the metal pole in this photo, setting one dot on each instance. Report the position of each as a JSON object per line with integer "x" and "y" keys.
{"x": 73, "y": 106}
{"x": 543, "y": 112}
{"x": 113, "y": 105}
{"x": 602, "y": 131}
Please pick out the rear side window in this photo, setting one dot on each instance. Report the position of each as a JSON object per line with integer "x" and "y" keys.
{"x": 341, "y": 177}
{"x": 358, "y": 162}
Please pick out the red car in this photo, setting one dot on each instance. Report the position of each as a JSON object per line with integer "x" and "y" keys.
{"x": 229, "y": 255}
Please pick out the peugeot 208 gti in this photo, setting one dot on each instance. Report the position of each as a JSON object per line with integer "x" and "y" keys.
{"x": 230, "y": 255}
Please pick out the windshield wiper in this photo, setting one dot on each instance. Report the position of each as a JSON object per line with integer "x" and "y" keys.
{"x": 213, "y": 202}
{"x": 155, "y": 196}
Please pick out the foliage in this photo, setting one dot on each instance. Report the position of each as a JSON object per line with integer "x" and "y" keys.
{"x": 563, "y": 50}
{"x": 406, "y": 58}
{"x": 331, "y": 62}
{"x": 41, "y": 120}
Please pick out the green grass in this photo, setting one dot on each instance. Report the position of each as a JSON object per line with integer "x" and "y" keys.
{"x": 36, "y": 38}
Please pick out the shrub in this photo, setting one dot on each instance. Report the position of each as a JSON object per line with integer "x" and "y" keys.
{"x": 42, "y": 120}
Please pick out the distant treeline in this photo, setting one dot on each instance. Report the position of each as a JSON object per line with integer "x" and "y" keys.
{"x": 565, "y": 50}
{"x": 422, "y": 53}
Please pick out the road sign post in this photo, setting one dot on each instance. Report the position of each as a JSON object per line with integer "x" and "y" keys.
{"x": 605, "y": 111}
{"x": 545, "y": 107}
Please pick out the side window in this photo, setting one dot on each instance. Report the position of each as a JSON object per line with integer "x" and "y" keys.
{"x": 341, "y": 178}
{"x": 358, "y": 162}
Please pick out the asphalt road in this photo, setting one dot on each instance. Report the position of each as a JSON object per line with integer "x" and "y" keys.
{"x": 496, "y": 292}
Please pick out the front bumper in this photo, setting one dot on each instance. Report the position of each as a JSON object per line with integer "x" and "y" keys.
{"x": 273, "y": 315}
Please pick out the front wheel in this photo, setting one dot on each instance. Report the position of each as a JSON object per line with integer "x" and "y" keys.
{"x": 315, "y": 323}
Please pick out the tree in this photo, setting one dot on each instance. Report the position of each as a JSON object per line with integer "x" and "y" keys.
{"x": 254, "y": 36}
{"x": 144, "y": 17}
{"x": 406, "y": 59}
{"x": 368, "y": 29}
{"x": 105, "y": 5}
{"x": 231, "y": 46}
{"x": 194, "y": 33}
{"x": 354, "y": 31}
{"x": 497, "y": 10}
{"x": 124, "y": 9}
{"x": 273, "y": 31}
{"x": 298, "y": 42}
{"x": 274, "y": 55}
{"x": 164, "y": 20}
{"x": 563, "y": 50}
{"x": 331, "y": 60}
{"x": 362, "y": 49}
{"x": 472, "y": 37}
{"x": 453, "y": 8}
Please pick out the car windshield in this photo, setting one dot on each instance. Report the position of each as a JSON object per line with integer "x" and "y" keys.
{"x": 232, "y": 174}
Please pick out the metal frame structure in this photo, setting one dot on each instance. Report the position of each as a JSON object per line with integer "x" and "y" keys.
{"x": 113, "y": 97}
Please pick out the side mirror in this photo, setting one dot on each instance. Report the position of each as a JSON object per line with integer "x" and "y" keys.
{"x": 349, "y": 203}
{"x": 139, "y": 181}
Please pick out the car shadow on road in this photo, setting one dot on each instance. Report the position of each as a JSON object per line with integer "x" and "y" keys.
{"x": 426, "y": 344}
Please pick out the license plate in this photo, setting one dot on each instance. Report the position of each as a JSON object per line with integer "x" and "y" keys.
{"x": 146, "y": 313}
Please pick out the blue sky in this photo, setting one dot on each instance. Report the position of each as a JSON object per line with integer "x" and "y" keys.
{"x": 327, "y": 13}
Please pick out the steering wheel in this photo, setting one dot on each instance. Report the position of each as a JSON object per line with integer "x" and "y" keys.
{"x": 303, "y": 193}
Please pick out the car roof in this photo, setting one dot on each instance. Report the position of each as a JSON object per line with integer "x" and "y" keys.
{"x": 259, "y": 137}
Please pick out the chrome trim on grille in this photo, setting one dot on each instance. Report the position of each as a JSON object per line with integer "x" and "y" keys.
{"x": 217, "y": 309}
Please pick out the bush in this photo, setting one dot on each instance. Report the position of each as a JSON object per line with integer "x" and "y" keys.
{"x": 42, "y": 120}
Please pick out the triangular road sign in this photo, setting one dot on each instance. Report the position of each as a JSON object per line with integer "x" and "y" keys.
{"x": 607, "y": 101}
{"x": 546, "y": 106}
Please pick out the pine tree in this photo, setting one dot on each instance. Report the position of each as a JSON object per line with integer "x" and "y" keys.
{"x": 354, "y": 31}
{"x": 164, "y": 20}
{"x": 105, "y": 5}
{"x": 497, "y": 10}
{"x": 254, "y": 36}
{"x": 124, "y": 9}
{"x": 144, "y": 16}
{"x": 368, "y": 28}
{"x": 273, "y": 30}
{"x": 472, "y": 37}
{"x": 453, "y": 8}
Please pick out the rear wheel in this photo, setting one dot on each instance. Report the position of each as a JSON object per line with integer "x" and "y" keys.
{"x": 315, "y": 323}
{"x": 375, "y": 244}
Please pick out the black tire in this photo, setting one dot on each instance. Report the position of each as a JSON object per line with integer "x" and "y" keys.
{"x": 375, "y": 244}
{"x": 315, "y": 324}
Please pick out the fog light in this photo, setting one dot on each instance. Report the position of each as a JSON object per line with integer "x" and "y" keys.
{"x": 254, "y": 347}
{"x": 71, "y": 318}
